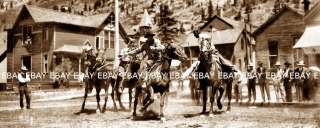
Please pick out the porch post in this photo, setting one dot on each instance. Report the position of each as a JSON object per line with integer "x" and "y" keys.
{"x": 79, "y": 65}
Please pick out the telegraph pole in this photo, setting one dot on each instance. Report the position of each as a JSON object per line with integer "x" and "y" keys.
{"x": 117, "y": 36}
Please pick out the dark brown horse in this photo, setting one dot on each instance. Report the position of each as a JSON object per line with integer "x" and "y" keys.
{"x": 208, "y": 71}
{"x": 159, "y": 84}
{"x": 94, "y": 66}
{"x": 129, "y": 81}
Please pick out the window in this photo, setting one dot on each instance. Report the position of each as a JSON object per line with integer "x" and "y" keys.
{"x": 97, "y": 42}
{"x": 273, "y": 52}
{"x": 109, "y": 41}
{"x": 26, "y": 61}
{"x": 45, "y": 63}
{"x": 27, "y": 34}
{"x": 298, "y": 53}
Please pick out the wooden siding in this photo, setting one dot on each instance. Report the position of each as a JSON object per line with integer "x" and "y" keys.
{"x": 284, "y": 30}
{"x": 217, "y": 24}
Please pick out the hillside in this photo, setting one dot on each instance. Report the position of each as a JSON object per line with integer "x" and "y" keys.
{"x": 186, "y": 13}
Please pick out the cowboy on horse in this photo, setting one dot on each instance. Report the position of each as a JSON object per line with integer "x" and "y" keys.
{"x": 152, "y": 48}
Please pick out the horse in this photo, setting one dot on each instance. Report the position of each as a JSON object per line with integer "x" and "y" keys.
{"x": 209, "y": 66}
{"x": 132, "y": 66}
{"x": 94, "y": 66}
{"x": 159, "y": 84}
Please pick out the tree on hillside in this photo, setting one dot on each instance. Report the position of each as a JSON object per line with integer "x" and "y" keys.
{"x": 203, "y": 14}
{"x": 11, "y": 4}
{"x": 97, "y": 4}
{"x": 166, "y": 32}
{"x": 85, "y": 6}
{"x": 210, "y": 10}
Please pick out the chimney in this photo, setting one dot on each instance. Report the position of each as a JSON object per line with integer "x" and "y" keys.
{"x": 306, "y": 5}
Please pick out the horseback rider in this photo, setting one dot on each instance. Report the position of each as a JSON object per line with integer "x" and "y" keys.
{"x": 152, "y": 48}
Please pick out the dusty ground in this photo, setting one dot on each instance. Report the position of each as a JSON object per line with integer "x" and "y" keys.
{"x": 180, "y": 112}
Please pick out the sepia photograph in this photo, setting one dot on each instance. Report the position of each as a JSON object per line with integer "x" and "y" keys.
{"x": 159, "y": 63}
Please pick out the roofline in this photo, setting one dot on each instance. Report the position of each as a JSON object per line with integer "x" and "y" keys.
{"x": 312, "y": 11}
{"x": 121, "y": 29}
{"x": 272, "y": 19}
{"x": 212, "y": 18}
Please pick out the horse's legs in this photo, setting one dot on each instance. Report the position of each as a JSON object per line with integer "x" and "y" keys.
{"x": 212, "y": 97}
{"x": 118, "y": 90}
{"x": 229, "y": 93}
{"x": 106, "y": 95}
{"x": 149, "y": 100}
{"x": 136, "y": 99}
{"x": 98, "y": 89}
{"x": 130, "y": 97}
{"x": 85, "y": 97}
{"x": 221, "y": 90}
{"x": 162, "y": 102}
{"x": 204, "y": 100}
{"x": 112, "y": 96}
{"x": 119, "y": 99}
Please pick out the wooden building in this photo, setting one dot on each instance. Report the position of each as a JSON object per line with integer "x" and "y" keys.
{"x": 277, "y": 36}
{"x": 310, "y": 40}
{"x": 3, "y": 59}
{"x": 229, "y": 37}
{"x": 44, "y": 39}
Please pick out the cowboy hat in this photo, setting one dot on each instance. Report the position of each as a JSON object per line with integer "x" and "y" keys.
{"x": 24, "y": 68}
{"x": 277, "y": 63}
{"x": 301, "y": 63}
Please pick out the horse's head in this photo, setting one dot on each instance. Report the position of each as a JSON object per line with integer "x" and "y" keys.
{"x": 89, "y": 57}
{"x": 175, "y": 52}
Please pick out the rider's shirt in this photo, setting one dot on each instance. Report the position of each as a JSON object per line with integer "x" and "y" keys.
{"x": 151, "y": 50}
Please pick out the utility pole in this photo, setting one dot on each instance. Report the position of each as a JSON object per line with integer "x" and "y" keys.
{"x": 117, "y": 37}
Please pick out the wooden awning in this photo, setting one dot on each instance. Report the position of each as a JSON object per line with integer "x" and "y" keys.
{"x": 310, "y": 38}
{"x": 69, "y": 49}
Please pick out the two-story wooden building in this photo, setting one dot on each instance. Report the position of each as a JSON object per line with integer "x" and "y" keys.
{"x": 277, "y": 36}
{"x": 42, "y": 39}
{"x": 310, "y": 40}
{"x": 229, "y": 37}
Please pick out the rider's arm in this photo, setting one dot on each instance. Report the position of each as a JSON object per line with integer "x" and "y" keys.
{"x": 157, "y": 46}
{"x": 136, "y": 51}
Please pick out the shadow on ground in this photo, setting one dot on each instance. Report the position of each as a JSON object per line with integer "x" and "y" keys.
{"x": 217, "y": 112}
{"x": 147, "y": 116}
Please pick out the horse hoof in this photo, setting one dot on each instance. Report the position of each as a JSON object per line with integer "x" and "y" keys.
{"x": 229, "y": 108}
{"x": 123, "y": 108}
{"x": 142, "y": 110}
{"x": 211, "y": 115}
{"x": 134, "y": 114}
{"x": 219, "y": 106}
{"x": 98, "y": 111}
{"x": 163, "y": 120}
{"x": 202, "y": 116}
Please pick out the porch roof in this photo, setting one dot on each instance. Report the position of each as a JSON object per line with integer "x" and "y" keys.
{"x": 228, "y": 36}
{"x": 69, "y": 49}
{"x": 310, "y": 38}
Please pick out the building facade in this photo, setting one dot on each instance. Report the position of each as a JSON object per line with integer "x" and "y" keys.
{"x": 45, "y": 40}
{"x": 277, "y": 36}
{"x": 229, "y": 37}
{"x": 310, "y": 40}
